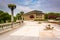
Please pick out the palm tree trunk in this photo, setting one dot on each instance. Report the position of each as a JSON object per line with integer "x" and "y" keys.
{"x": 12, "y": 19}
{"x": 22, "y": 18}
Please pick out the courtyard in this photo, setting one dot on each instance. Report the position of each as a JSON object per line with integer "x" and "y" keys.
{"x": 32, "y": 30}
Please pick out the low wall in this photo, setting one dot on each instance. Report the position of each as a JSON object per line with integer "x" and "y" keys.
{"x": 8, "y": 26}
{"x": 55, "y": 22}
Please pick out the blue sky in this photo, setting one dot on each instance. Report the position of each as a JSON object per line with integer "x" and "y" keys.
{"x": 29, "y": 5}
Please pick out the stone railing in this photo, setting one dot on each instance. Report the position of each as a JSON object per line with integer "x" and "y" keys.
{"x": 8, "y": 26}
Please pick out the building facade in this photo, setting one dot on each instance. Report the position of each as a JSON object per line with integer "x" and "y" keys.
{"x": 33, "y": 15}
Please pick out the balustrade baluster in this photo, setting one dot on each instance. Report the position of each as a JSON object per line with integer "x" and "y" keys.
{"x": 7, "y": 27}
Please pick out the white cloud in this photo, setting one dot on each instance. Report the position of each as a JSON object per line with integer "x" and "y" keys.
{"x": 27, "y": 2}
{"x": 23, "y": 8}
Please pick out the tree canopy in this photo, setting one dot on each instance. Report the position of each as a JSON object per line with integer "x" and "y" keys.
{"x": 12, "y": 6}
{"x": 52, "y": 15}
{"x": 18, "y": 15}
{"x": 4, "y": 16}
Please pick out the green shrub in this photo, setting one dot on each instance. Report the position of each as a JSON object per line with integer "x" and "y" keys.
{"x": 38, "y": 20}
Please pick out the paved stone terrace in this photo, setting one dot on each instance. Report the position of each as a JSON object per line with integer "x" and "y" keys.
{"x": 31, "y": 30}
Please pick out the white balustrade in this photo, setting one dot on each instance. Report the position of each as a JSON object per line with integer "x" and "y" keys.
{"x": 7, "y": 26}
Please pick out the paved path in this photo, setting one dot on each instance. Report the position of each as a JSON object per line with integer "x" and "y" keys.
{"x": 31, "y": 30}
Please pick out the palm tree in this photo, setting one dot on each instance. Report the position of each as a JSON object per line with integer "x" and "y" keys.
{"x": 22, "y": 15}
{"x": 12, "y": 7}
{"x": 18, "y": 16}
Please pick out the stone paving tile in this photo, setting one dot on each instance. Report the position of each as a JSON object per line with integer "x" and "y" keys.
{"x": 32, "y": 31}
